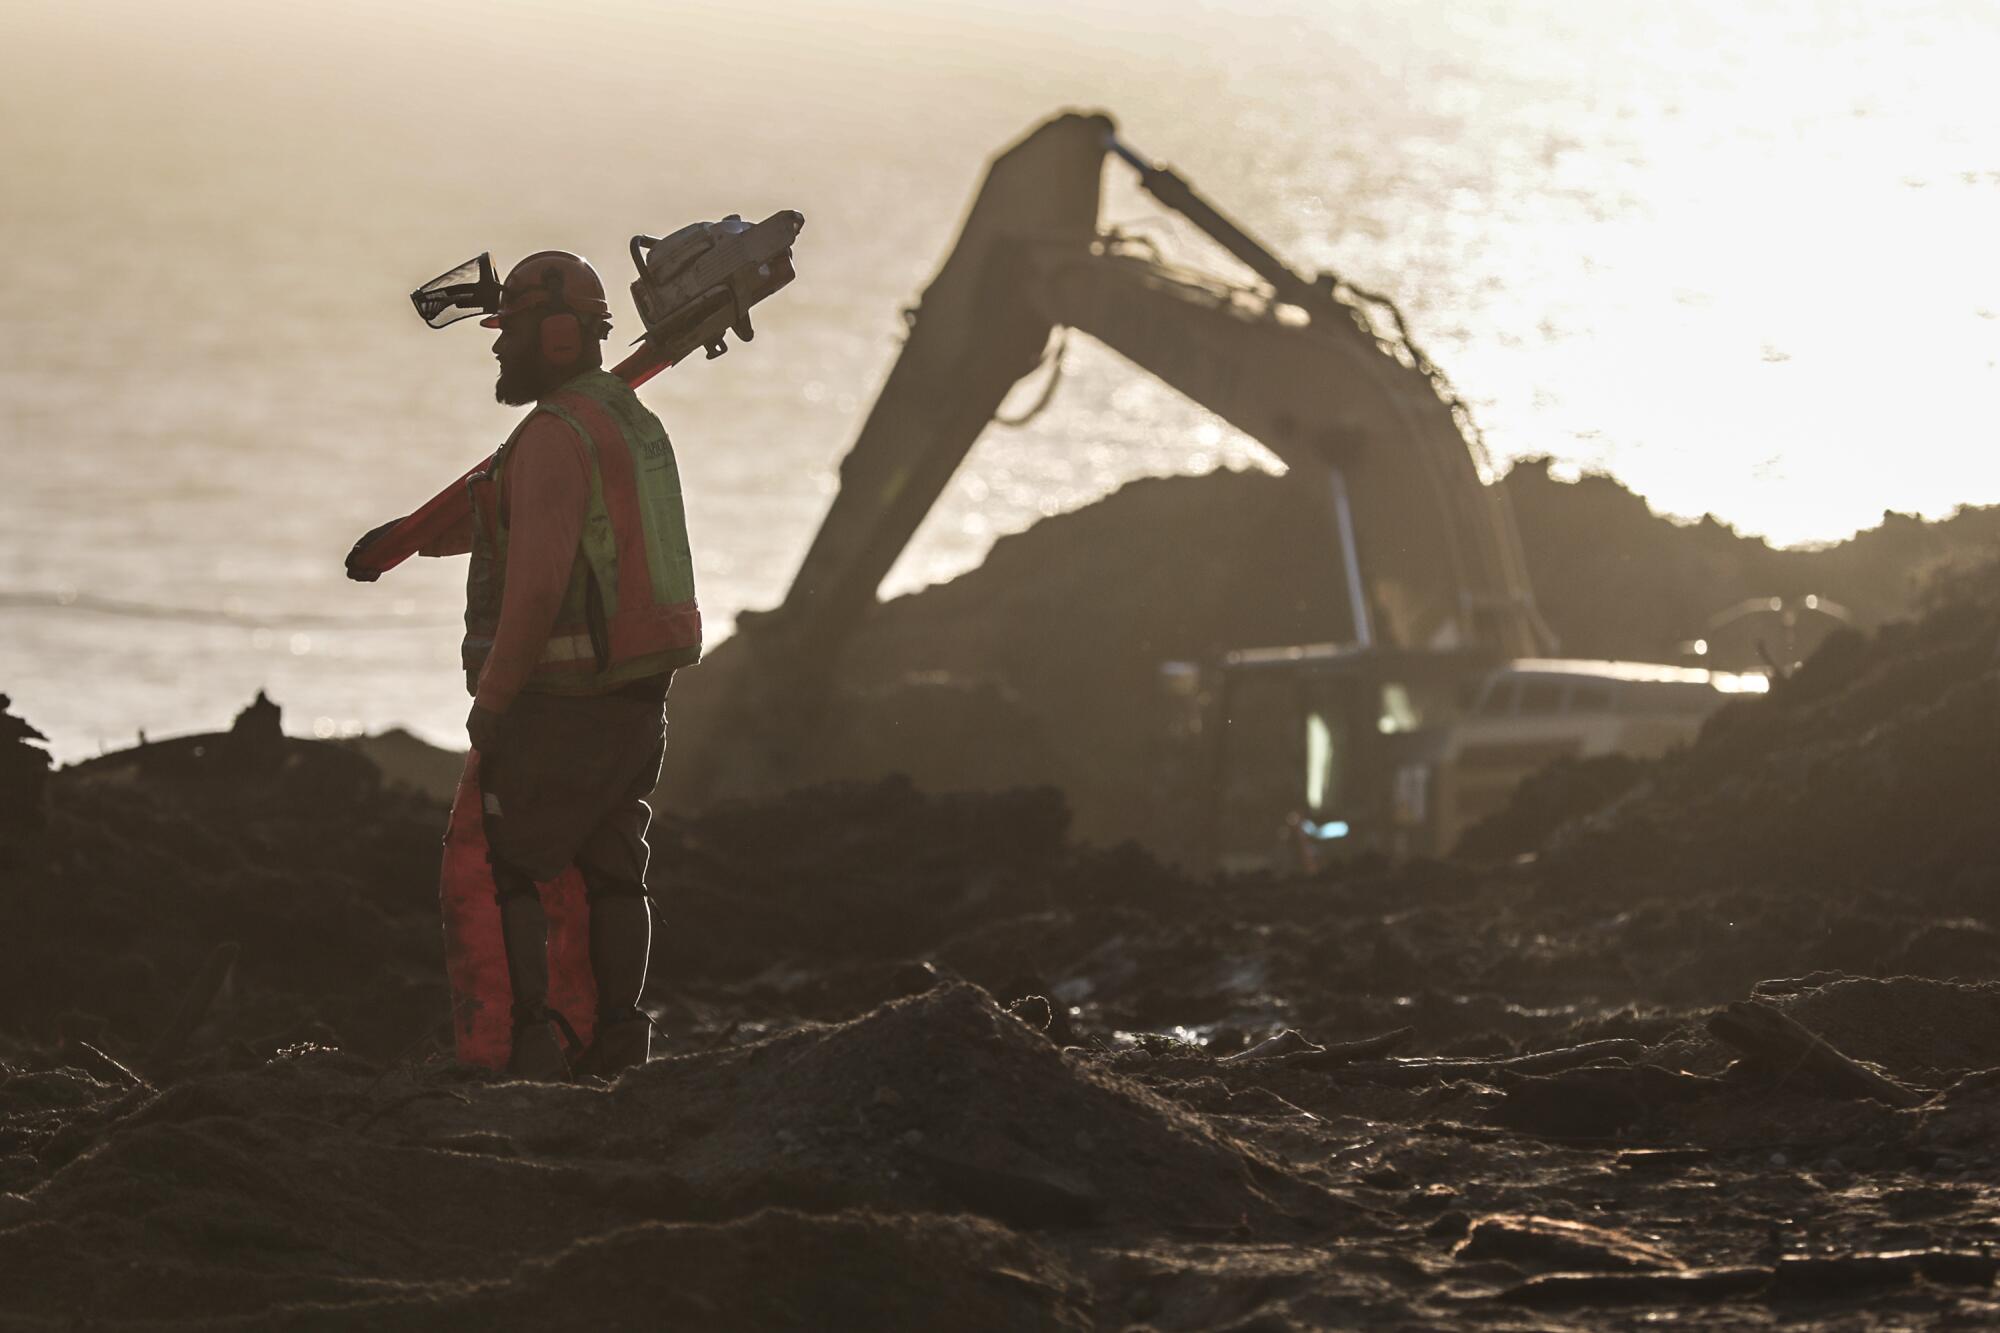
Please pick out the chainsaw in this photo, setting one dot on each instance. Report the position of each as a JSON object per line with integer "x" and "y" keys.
{"x": 695, "y": 287}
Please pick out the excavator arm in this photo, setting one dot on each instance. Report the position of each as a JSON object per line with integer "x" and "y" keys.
{"x": 1425, "y": 550}
{"x": 971, "y": 338}
{"x": 1424, "y": 546}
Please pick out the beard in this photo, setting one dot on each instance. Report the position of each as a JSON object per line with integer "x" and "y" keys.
{"x": 522, "y": 380}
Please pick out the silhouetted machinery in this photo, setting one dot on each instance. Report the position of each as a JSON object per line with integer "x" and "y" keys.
{"x": 1359, "y": 743}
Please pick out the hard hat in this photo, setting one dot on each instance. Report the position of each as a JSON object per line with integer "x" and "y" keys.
{"x": 552, "y": 278}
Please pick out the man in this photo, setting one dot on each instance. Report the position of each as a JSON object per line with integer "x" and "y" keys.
{"x": 579, "y": 608}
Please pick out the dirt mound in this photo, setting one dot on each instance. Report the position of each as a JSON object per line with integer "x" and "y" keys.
{"x": 1870, "y": 767}
{"x": 938, "y": 1102}
{"x": 316, "y": 1178}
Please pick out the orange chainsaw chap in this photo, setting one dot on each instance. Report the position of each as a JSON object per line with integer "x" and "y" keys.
{"x": 475, "y": 956}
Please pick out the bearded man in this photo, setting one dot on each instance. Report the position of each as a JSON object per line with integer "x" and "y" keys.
{"x": 580, "y": 606}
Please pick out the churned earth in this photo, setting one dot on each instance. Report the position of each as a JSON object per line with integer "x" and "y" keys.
{"x": 1711, "y": 1041}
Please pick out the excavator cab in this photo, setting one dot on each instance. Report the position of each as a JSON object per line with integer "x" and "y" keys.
{"x": 1326, "y": 752}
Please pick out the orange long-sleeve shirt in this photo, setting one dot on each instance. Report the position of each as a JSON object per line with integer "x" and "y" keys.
{"x": 544, "y": 498}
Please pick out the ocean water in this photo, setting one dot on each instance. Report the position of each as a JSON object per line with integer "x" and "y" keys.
{"x": 1740, "y": 254}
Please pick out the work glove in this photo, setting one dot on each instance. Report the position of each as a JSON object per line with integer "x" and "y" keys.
{"x": 487, "y": 730}
{"x": 367, "y": 575}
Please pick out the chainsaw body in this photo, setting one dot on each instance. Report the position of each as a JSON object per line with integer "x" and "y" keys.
{"x": 698, "y": 284}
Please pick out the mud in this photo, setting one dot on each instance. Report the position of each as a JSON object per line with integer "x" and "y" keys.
{"x": 931, "y": 1061}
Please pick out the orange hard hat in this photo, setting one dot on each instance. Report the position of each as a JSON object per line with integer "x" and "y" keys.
{"x": 552, "y": 278}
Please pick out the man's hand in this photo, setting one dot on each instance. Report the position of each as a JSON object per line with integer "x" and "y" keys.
{"x": 367, "y": 575}
{"x": 487, "y": 730}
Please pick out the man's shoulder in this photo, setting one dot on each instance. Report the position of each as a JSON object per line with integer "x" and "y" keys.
{"x": 546, "y": 435}
{"x": 544, "y": 427}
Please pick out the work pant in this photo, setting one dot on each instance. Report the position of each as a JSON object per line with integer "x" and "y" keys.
{"x": 570, "y": 781}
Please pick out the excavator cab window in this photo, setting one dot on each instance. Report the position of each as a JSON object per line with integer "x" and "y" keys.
{"x": 1329, "y": 756}
{"x": 1344, "y": 713}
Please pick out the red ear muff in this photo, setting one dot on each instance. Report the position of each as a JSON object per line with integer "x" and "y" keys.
{"x": 562, "y": 339}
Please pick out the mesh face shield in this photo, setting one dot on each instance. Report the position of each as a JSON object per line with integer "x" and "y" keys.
{"x": 468, "y": 290}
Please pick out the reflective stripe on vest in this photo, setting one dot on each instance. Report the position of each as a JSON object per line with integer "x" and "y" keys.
{"x": 629, "y": 611}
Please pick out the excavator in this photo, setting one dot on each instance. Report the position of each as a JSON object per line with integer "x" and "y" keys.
{"x": 1342, "y": 742}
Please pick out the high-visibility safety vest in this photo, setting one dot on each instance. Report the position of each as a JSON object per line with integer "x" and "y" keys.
{"x": 629, "y": 611}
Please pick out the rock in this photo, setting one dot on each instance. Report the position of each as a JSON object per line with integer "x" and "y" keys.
{"x": 1034, "y": 1010}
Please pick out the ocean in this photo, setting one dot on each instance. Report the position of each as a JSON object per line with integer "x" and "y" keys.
{"x": 1741, "y": 255}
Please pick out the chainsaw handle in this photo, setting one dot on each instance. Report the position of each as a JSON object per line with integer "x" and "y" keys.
{"x": 640, "y": 243}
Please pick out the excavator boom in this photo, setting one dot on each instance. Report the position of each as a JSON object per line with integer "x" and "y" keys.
{"x": 971, "y": 338}
{"x": 1424, "y": 545}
